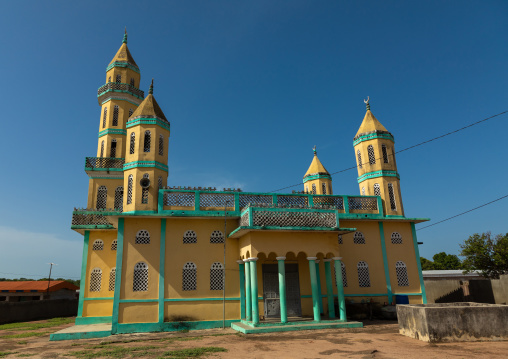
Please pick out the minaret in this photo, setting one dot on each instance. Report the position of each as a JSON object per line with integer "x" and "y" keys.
{"x": 377, "y": 169}
{"x": 317, "y": 180}
{"x": 146, "y": 159}
{"x": 118, "y": 98}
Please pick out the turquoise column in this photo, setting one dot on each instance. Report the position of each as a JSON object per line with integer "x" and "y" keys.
{"x": 329, "y": 288}
{"x": 248, "y": 304}
{"x": 314, "y": 285}
{"x": 118, "y": 276}
{"x": 242, "y": 288}
{"x": 320, "y": 296}
{"x": 385, "y": 263}
{"x": 340, "y": 288}
{"x": 254, "y": 289}
{"x": 162, "y": 268}
{"x": 418, "y": 263}
{"x": 82, "y": 283}
{"x": 282, "y": 289}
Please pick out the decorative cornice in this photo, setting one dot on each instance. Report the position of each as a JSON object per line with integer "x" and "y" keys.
{"x": 155, "y": 164}
{"x": 145, "y": 120}
{"x": 376, "y": 174}
{"x": 314, "y": 176}
{"x": 109, "y": 98}
{"x": 112, "y": 131}
{"x": 372, "y": 135}
{"x": 123, "y": 64}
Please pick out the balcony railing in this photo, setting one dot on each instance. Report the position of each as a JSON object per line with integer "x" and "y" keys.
{"x": 274, "y": 216}
{"x": 92, "y": 219}
{"x": 120, "y": 87}
{"x": 104, "y": 164}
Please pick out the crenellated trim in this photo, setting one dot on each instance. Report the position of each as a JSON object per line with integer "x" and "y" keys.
{"x": 372, "y": 135}
{"x": 112, "y": 131}
{"x": 123, "y": 64}
{"x": 315, "y": 176}
{"x": 376, "y": 174}
{"x": 155, "y": 164}
{"x": 120, "y": 99}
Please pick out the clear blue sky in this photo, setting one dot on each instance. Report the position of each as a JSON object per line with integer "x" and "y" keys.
{"x": 249, "y": 87}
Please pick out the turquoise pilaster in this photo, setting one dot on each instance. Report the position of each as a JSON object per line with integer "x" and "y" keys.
{"x": 418, "y": 263}
{"x": 254, "y": 289}
{"x": 162, "y": 258}
{"x": 329, "y": 288}
{"x": 241, "y": 271}
{"x": 82, "y": 283}
{"x": 340, "y": 288}
{"x": 385, "y": 263}
{"x": 314, "y": 285}
{"x": 320, "y": 292}
{"x": 248, "y": 299}
{"x": 282, "y": 289}
{"x": 118, "y": 276}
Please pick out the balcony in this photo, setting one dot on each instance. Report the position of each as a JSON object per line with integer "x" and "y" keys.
{"x": 83, "y": 219}
{"x": 119, "y": 87}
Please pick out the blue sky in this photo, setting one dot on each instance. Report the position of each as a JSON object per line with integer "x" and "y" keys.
{"x": 249, "y": 88}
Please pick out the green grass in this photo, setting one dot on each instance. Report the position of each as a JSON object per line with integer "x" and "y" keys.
{"x": 114, "y": 352}
{"x": 24, "y": 335}
{"x": 4, "y": 354}
{"x": 25, "y": 355}
{"x": 192, "y": 352}
{"x": 22, "y": 342}
{"x": 54, "y": 322}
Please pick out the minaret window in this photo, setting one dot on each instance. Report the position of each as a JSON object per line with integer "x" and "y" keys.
{"x": 102, "y": 148}
{"x": 359, "y": 238}
{"x": 118, "y": 79}
{"x": 114, "y": 245}
{"x": 401, "y": 270}
{"x": 363, "y": 191}
{"x": 143, "y": 237}
{"x": 129, "y": 189}
{"x": 112, "y": 277}
{"x": 363, "y": 274}
{"x": 359, "y": 159}
{"x": 98, "y": 245}
{"x": 372, "y": 156}
{"x": 113, "y": 149}
{"x": 385, "y": 153}
{"x": 377, "y": 189}
{"x": 217, "y": 276}
{"x": 217, "y": 237}
{"x": 119, "y": 198}
{"x": 396, "y": 238}
{"x": 95, "y": 280}
{"x": 190, "y": 237}
{"x": 160, "y": 182}
{"x": 109, "y": 79}
{"x": 115, "y": 116}
{"x": 391, "y": 194}
{"x": 133, "y": 143}
{"x": 146, "y": 146}
{"x": 131, "y": 111}
{"x": 140, "y": 282}
{"x": 132, "y": 82}
{"x": 189, "y": 276}
{"x": 340, "y": 238}
{"x": 104, "y": 117}
{"x": 161, "y": 145}
{"x": 344, "y": 274}
{"x": 144, "y": 191}
{"x": 102, "y": 196}
{"x": 313, "y": 189}
{"x": 324, "y": 188}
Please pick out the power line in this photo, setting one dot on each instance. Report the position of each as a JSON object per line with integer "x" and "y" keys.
{"x": 410, "y": 147}
{"x": 460, "y": 214}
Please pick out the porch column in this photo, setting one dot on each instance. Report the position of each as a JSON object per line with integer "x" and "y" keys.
{"x": 329, "y": 288}
{"x": 320, "y": 296}
{"x": 282, "y": 289}
{"x": 242, "y": 288}
{"x": 313, "y": 283}
{"x": 340, "y": 288}
{"x": 254, "y": 289}
{"x": 248, "y": 305}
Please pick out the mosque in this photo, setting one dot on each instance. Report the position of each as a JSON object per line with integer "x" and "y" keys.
{"x": 159, "y": 258}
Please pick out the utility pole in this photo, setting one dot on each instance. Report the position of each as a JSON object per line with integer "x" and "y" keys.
{"x": 224, "y": 269}
{"x": 49, "y": 278}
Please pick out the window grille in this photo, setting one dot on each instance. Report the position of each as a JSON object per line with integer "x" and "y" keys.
{"x": 392, "y": 197}
{"x": 98, "y": 245}
{"x": 131, "y": 111}
{"x": 118, "y": 79}
{"x": 114, "y": 244}
{"x": 372, "y": 156}
{"x": 217, "y": 237}
{"x": 115, "y": 116}
{"x": 344, "y": 274}
{"x": 112, "y": 277}
{"x": 132, "y": 81}
{"x": 190, "y": 237}
{"x": 313, "y": 189}
{"x": 129, "y": 189}
{"x": 359, "y": 238}
{"x": 146, "y": 147}
{"x": 159, "y": 182}
{"x": 104, "y": 117}
{"x": 109, "y": 79}
{"x": 113, "y": 149}
{"x": 401, "y": 270}
{"x": 377, "y": 189}
{"x": 340, "y": 238}
{"x": 144, "y": 191}
{"x": 133, "y": 143}
{"x": 217, "y": 276}
{"x": 140, "y": 282}
{"x": 161, "y": 145}
{"x": 363, "y": 191}
{"x": 385, "y": 153}
{"x": 102, "y": 149}
{"x": 396, "y": 238}
{"x": 189, "y": 276}
{"x": 119, "y": 198}
{"x": 95, "y": 280}
{"x": 359, "y": 159}
{"x": 363, "y": 274}
{"x": 324, "y": 188}
{"x": 102, "y": 195}
{"x": 143, "y": 237}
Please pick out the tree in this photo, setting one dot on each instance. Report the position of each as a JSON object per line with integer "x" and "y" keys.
{"x": 446, "y": 261}
{"x": 486, "y": 254}
{"x": 426, "y": 264}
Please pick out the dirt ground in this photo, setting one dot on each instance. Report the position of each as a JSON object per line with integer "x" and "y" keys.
{"x": 378, "y": 339}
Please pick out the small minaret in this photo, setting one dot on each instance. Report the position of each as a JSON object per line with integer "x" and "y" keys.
{"x": 146, "y": 159}
{"x": 377, "y": 168}
{"x": 317, "y": 180}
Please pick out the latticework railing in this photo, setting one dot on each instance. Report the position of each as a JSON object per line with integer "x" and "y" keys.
{"x": 91, "y": 218}
{"x": 336, "y": 202}
{"x": 180, "y": 199}
{"x": 115, "y": 86}
{"x": 363, "y": 203}
{"x": 216, "y": 200}
{"x": 97, "y": 163}
{"x": 288, "y": 218}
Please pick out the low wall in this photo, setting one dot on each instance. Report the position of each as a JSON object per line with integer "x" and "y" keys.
{"x": 11, "y": 312}
{"x": 451, "y": 322}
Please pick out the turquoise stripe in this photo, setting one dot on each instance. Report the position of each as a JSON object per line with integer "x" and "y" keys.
{"x": 372, "y": 136}
{"x": 418, "y": 263}
{"x": 376, "y": 174}
{"x": 162, "y": 269}
{"x": 136, "y": 164}
{"x": 118, "y": 276}
{"x": 123, "y": 64}
{"x": 120, "y": 99}
{"x": 148, "y": 121}
{"x": 82, "y": 283}
{"x": 112, "y": 131}
{"x": 318, "y": 176}
{"x": 385, "y": 262}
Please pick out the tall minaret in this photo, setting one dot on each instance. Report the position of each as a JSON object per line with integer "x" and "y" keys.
{"x": 317, "y": 180}
{"x": 146, "y": 159}
{"x": 118, "y": 98}
{"x": 377, "y": 169}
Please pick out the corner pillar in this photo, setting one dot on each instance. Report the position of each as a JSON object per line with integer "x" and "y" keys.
{"x": 254, "y": 289}
{"x": 329, "y": 288}
{"x": 340, "y": 288}
{"x": 282, "y": 289}
{"x": 314, "y": 285}
{"x": 248, "y": 304}
{"x": 241, "y": 271}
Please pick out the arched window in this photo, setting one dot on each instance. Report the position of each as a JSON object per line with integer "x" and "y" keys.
{"x": 377, "y": 189}
{"x": 129, "y": 189}
{"x": 109, "y": 79}
{"x": 359, "y": 238}
{"x": 146, "y": 146}
{"x": 314, "y": 189}
{"x": 363, "y": 191}
{"x": 133, "y": 143}
{"x": 391, "y": 194}
{"x": 102, "y": 149}
{"x": 104, "y": 117}
{"x": 217, "y": 237}
{"x": 396, "y": 238}
{"x": 113, "y": 149}
{"x": 112, "y": 277}
{"x": 340, "y": 238}
{"x": 161, "y": 145}
{"x": 119, "y": 198}
{"x": 140, "y": 282}
{"x": 323, "y": 186}
{"x": 114, "y": 244}
{"x": 190, "y": 237}
{"x": 98, "y": 245}
{"x": 344, "y": 274}
{"x": 401, "y": 270}
{"x": 217, "y": 276}
{"x": 115, "y": 115}
{"x": 131, "y": 111}
{"x": 159, "y": 182}
{"x": 102, "y": 195}
{"x": 189, "y": 276}
{"x": 385, "y": 153}
{"x": 144, "y": 191}
{"x": 132, "y": 81}
{"x": 95, "y": 280}
{"x": 363, "y": 274}
{"x": 359, "y": 159}
{"x": 372, "y": 156}
{"x": 118, "y": 79}
{"x": 143, "y": 237}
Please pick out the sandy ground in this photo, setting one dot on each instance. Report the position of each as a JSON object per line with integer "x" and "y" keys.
{"x": 378, "y": 339}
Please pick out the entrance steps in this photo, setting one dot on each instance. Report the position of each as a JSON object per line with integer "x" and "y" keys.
{"x": 271, "y": 327}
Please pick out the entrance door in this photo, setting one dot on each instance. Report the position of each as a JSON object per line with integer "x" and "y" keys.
{"x": 271, "y": 290}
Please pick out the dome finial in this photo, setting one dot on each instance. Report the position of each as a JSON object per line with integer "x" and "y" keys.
{"x": 367, "y": 103}
{"x": 125, "y": 36}
{"x": 315, "y": 151}
{"x": 150, "y": 91}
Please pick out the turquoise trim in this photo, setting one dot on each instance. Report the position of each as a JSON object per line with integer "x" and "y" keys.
{"x": 377, "y": 174}
{"x": 201, "y": 299}
{"x": 281, "y": 266}
{"x": 418, "y": 263}
{"x": 385, "y": 262}
{"x": 248, "y": 293}
{"x": 112, "y": 131}
{"x": 254, "y": 290}
{"x": 247, "y": 328}
{"x": 329, "y": 289}
{"x": 140, "y": 213}
{"x": 148, "y": 121}
{"x": 99, "y": 298}
{"x": 91, "y": 226}
{"x": 82, "y": 282}
{"x": 120, "y": 99}
{"x": 138, "y": 164}
{"x": 241, "y": 271}
{"x": 123, "y": 64}
{"x": 315, "y": 293}
{"x": 162, "y": 267}
{"x": 80, "y": 335}
{"x": 372, "y": 136}
{"x": 118, "y": 276}
{"x": 320, "y": 292}
{"x": 138, "y": 301}
{"x": 171, "y": 326}
{"x": 120, "y": 91}
{"x": 317, "y": 176}
{"x": 92, "y": 320}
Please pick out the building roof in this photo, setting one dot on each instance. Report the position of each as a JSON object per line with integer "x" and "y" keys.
{"x": 449, "y": 274}
{"x": 316, "y": 167}
{"x": 370, "y": 124}
{"x": 123, "y": 54}
{"x": 149, "y": 108}
{"x": 36, "y": 286}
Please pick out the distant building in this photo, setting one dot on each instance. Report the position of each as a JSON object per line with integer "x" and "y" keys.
{"x": 21, "y": 291}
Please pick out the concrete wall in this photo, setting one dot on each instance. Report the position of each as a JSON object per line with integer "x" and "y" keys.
{"x": 11, "y": 312}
